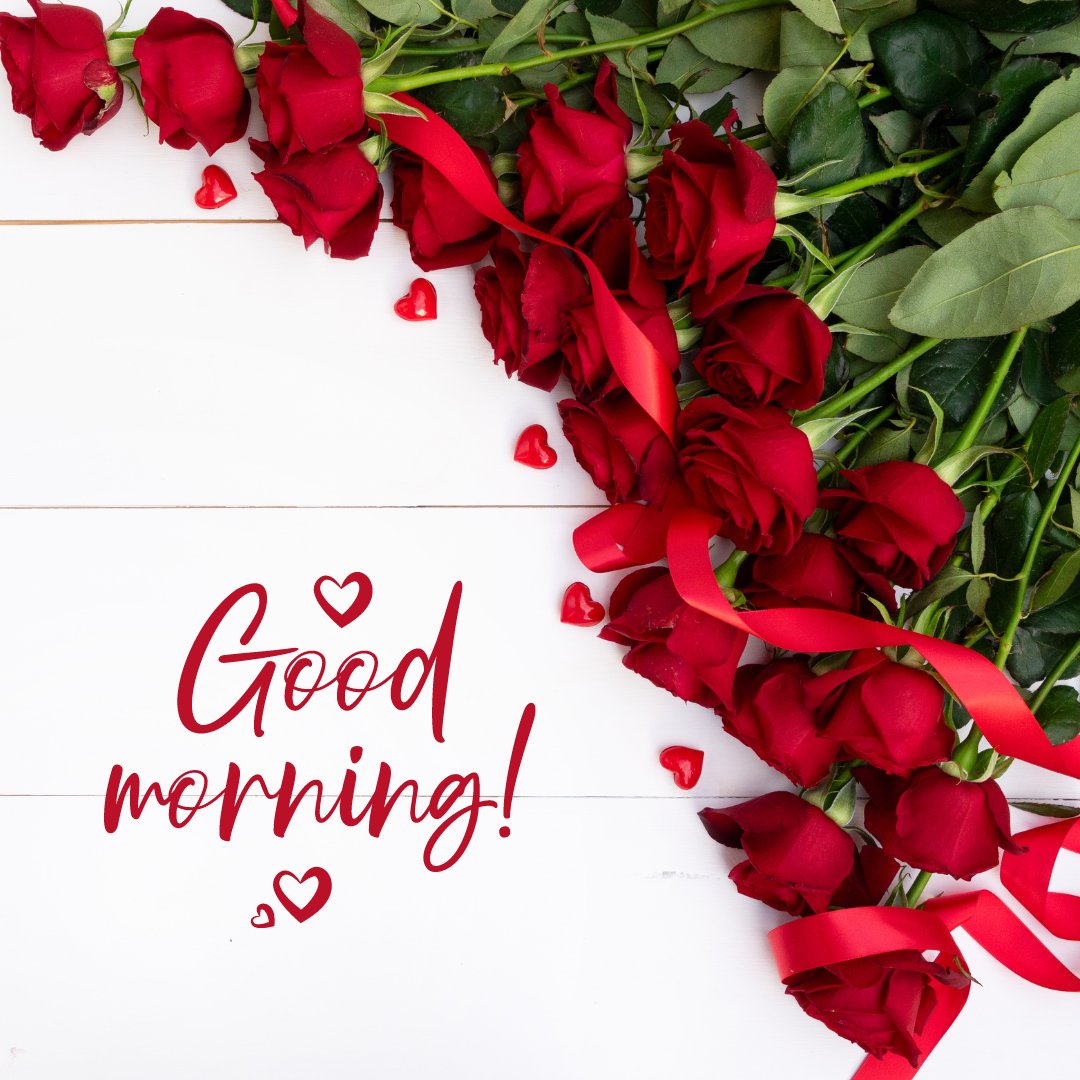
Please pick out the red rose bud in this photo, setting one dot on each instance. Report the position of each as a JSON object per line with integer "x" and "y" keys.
{"x": 778, "y": 719}
{"x": 191, "y": 86}
{"x": 573, "y": 163}
{"x": 498, "y": 290}
{"x": 709, "y": 215}
{"x": 902, "y": 517}
{"x": 881, "y": 1003}
{"x": 333, "y": 196}
{"x": 304, "y": 105}
{"x": 888, "y": 714}
{"x": 797, "y": 857}
{"x": 620, "y": 447}
{"x": 765, "y": 346}
{"x": 750, "y": 467}
{"x": 817, "y": 572}
{"x": 937, "y": 823}
{"x": 58, "y": 66}
{"x": 673, "y": 645}
{"x": 444, "y": 230}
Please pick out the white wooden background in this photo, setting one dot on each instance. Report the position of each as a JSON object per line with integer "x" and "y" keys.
{"x": 192, "y": 402}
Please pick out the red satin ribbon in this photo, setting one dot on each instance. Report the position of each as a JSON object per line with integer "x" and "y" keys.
{"x": 1027, "y": 876}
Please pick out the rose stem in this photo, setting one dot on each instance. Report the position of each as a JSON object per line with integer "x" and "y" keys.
{"x": 839, "y": 403}
{"x": 882, "y": 176}
{"x": 1051, "y": 680}
{"x": 393, "y": 84}
{"x": 981, "y": 411}
{"x": 917, "y": 886}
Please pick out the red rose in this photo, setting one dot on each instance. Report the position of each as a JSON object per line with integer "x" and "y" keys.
{"x": 498, "y": 290}
{"x": 304, "y": 105}
{"x": 573, "y": 163}
{"x": 888, "y": 714}
{"x": 620, "y": 447}
{"x": 935, "y": 822}
{"x": 765, "y": 346}
{"x": 444, "y": 230}
{"x": 709, "y": 215}
{"x": 59, "y": 71}
{"x": 901, "y": 516}
{"x": 554, "y": 286}
{"x": 880, "y": 1002}
{"x": 778, "y": 719}
{"x": 752, "y": 468}
{"x": 191, "y": 86}
{"x": 673, "y": 645}
{"x": 333, "y": 196}
{"x": 797, "y": 858}
{"x": 817, "y": 572}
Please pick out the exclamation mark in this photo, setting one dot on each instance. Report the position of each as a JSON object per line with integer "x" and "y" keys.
{"x": 524, "y": 728}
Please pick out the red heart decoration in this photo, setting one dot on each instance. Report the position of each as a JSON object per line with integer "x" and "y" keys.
{"x": 345, "y": 615}
{"x": 303, "y": 912}
{"x": 263, "y": 918}
{"x": 684, "y": 763}
{"x": 533, "y": 450}
{"x": 578, "y": 606}
{"x": 420, "y": 303}
{"x": 217, "y": 189}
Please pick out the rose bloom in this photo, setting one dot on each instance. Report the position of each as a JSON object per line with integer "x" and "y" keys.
{"x": 444, "y": 230}
{"x": 750, "y": 467}
{"x": 900, "y": 516}
{"x": 798, "y": 859}
{"x": 709, "y": 215}
{"x": 879, "y": 1002}
{"x": 765, "y": 346}
{"x": 191, "y": 86}
{"x": 673, "y": 645}
{"x": 333, "y": 196}
{"x": 620, "y": 447}
{"x": 573, "y": 162}
{"x": 305, "y": 106}
{"x": 935, "y": 822}
{"x": 498, "y": 290}
{"x": 778, "y": 719}
{"x": 888, "y": 714}
{"x": 817, "y": 572}
{"x": 56, "y": 63}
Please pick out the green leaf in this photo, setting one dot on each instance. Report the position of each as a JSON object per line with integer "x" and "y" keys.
{"x": 956, "y": 374}
{"x": 955, "y": 465}
{"x": 522, "y": 27}
{"x": 819, "y": 432}
{"x": 350, "y": 15}
{"x": 821, "y": 13}
{"x": 899, "y": 130}
{"x": 1063, "y": 39}
{"x": 684, "y": 67}
{"x": 802, "y": 44}
{"x": 1063, "y": 350}
{"x": 1014, "y": 87}
{"x": 1047, "y": 173}
{"x": 1045, "y": 440}
{"x": 1052, "y": 810}
{"x": 750, "y": 39}
{"x": 930, "y": 61}
{"x": 825, "y": 299}
{"x": 875, "y": 286}
{"x": 474, "y": 107}
{"x": 1018, "y": 267}
{"x": 598, "y": 7}
{"x": 977, "y": 596}
{"x": 608, "y": 29}
{"x": 792, "y": 90}
{"x": 861, "y": 19}
{"x": 1011, "y": 14}
{"x": 886, "y": 444}
{"x": 829, "y": 132}
{"x": 1035, "y": 370}
{"x": 1057, "y": 102}
{"x": 945, "y": 223}
{"x": 1057, "y": 581}
{"x": 1009, "y": 531}
{"x": 1059, "y": 715}
{"x": 978, "y": 537}
{"x": 247, "y": 9}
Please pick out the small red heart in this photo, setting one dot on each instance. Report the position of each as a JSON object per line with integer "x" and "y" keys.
{"x": 578, "y": 606}
{"x": 217, "y": 189}
{"x": 420, "y": 303}
{"x": 684, "y": 763}
{"x": 303, "y": 912}
{"x": 263, "y": 918}
{"x": 343, "y": 612}
{"x": 533, "y": 450}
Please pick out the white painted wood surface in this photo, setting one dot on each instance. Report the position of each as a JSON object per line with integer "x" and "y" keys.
{"x": 191, "y": 406}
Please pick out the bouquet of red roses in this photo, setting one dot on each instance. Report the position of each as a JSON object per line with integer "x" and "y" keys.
{"x": 829, "y": 393}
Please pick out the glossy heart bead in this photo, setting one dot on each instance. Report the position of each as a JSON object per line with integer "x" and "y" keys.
{"x": 420, "y": 303}
{"x": 533, "y": 450}
{"x": 684, "y": 764}
{"x": 579, "y": 608}
{"x": 217, "y": 189}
